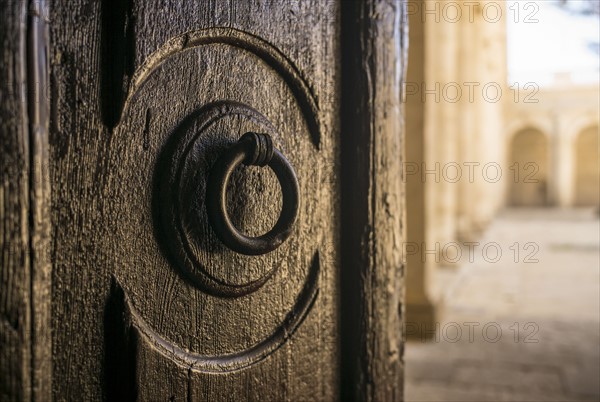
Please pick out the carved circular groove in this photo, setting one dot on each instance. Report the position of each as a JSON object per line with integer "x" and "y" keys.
{"x": 245, "y": 41}
{"x": 197, "y": 130}
{"x": 182, "y": 200}
{"x": 244, "y": 358}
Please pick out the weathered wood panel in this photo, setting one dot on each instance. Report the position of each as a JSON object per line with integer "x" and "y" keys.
{"x": 15, "y": 302}
{"x": 25, "y": 354}
{"x": 374, "y": 48}
{"x": 145, "y": 96}
{"x": 40, "y": 225}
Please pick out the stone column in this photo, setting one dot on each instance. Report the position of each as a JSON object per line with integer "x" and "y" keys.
{"x": 420, "y": 311}
{"x": 562, "y": 163}
{"x": 467, "y": 131}
{"x": 441, "y": 129}
{"x": 483, "y": 74}
{"x": 492, "y": 73}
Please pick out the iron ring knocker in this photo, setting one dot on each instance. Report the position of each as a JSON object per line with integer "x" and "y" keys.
{"x": 252, "y": 149}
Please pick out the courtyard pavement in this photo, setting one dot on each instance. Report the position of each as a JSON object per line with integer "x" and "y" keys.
{"x": 522, "y": 325}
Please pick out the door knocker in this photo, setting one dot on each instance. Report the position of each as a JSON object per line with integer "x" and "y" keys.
{"x": 252, "y": 149}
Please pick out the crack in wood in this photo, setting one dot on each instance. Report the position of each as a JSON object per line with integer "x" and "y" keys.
{"x": 118, "y": 55}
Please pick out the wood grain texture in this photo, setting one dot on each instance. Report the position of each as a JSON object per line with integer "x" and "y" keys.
{"x": 15, "y": 302}
{"x": 375, "y": 40}
{"x": 106, "y": 162}
{"x": 130, "y": 83}
{"x": 38, "y": 42}
{"x": 25, "y": 354}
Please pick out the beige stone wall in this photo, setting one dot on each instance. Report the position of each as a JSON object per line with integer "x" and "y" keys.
{"x": 420, "y": 308}
{"x": 528, "y": 169}
{"x": 475, "y": 145}
{"x": 561, "y": 113}
{"x": 454, "y": 128}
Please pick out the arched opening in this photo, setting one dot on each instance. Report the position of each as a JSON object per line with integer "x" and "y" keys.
{"x": 529, "y": 169}
{"x": 587, "y": 168}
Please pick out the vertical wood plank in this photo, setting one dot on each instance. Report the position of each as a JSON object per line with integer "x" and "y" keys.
{"x": 373, "y": 50}
{"x": 103, "y": 167}
{"x": 15, "y": 319}
{"x": 94, "y": 243}
{"x": 39, "y": 195}
{"x": 25, "y": 352}
{"x": 79, "y": 146}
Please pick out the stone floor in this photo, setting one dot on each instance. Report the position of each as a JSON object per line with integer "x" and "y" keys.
{"x": 520, "y": 326}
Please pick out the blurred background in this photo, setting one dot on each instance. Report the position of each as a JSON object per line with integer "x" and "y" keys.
{"x": 503, "y": 200}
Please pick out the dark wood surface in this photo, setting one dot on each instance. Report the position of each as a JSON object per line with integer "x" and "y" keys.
{"x": 15, "y": 302}
{"x": 143, "y": 96}
{"x": 373, "y": 234}
{"x": 25, "y": 349}
{"x": 171, "y": 69}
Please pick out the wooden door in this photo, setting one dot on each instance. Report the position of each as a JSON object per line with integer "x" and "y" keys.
{"x": 114, "y": 285}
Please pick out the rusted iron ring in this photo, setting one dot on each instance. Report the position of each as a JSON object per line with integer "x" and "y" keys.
{"x": 252, "y": 149}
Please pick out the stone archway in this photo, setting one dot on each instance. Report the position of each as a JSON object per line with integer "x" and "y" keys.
{"x": 528, "y": 168}
{"x": 587, "y": 168}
